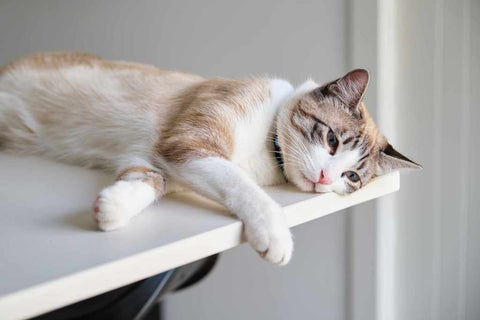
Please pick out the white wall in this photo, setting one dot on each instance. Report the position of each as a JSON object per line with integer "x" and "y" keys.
{"x": 433, "y": 268}
{"x": 218, "y": 38}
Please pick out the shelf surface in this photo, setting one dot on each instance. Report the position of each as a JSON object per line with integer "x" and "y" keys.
{"x": 52, "y": 255}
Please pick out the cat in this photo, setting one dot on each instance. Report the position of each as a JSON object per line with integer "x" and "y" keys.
{"x": 163, "y": 131}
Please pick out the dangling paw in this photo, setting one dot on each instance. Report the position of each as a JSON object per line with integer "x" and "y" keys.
{"x": 271, "y": 238}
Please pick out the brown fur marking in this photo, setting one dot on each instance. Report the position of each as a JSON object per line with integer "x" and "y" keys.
{"x": 205, "y": 123}
{"x": 153, "y": 178}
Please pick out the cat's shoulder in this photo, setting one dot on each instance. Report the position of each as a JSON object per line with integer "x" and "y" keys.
{"x": 243, "y": 94}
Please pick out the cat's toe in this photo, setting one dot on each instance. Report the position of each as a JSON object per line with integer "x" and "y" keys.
{"x": 112, "y": 209}
{"x": 109, "y": 214}
{"x": 273, "y": 241}
{"x": 280, "y": 248}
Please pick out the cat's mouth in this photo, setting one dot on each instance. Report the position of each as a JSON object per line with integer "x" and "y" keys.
{"x": 315, "y": 187}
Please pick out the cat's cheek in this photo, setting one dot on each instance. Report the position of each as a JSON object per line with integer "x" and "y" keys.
{"x": 303, "y": 184}
{"x": 340, "y": 187}
{"x": 296, "y": 178}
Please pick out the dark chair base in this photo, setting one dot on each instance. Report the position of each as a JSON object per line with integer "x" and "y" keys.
{"x": 140, "y": 300}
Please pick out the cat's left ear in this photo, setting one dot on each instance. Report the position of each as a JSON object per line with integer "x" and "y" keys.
{"x": 349, "y": 89}
{"x": 390, "y": 160}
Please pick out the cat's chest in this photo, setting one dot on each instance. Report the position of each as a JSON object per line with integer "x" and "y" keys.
{"x": 253, "y": 147}
{"x": 257, "y": 159}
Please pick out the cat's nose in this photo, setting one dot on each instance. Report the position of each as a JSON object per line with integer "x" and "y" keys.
{"x": 323, "y": 179}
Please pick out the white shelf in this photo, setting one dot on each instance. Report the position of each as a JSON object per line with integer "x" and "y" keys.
{"x": 51, "y": 254}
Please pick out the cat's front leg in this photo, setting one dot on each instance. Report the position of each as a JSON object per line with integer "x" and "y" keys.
{"x": 264, "y": 222}
{"x": 135, "y": 189}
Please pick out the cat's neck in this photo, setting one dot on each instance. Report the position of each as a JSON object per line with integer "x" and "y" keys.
{"x": 260, "y": 158}
{"x": 283, "y": 108}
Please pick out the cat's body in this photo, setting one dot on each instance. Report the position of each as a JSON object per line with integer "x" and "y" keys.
{"x": 110, "y": 114}
{"x": 161, "y": 130}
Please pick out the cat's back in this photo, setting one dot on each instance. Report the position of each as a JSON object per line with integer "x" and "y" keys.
{"x": 53, "y": 60}
{"x": 84, "y": 71}
{"x": 62, "y": 85}
{"x": 48, "y": 100}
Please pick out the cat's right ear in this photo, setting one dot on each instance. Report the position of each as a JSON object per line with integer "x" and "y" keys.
{"x": 390, "y": 160}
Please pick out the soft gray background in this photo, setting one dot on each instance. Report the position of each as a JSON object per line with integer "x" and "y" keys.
{"x": 290, "y": 39}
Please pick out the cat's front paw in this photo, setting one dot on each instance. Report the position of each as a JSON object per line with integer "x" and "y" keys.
{"x": 271, "y": 237}
{"x": 118, "y": 203}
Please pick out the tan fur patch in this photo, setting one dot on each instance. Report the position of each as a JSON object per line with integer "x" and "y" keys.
{"x": 153, "y": 178}
{"x": 137, "y": 169}
{"x": 205, "y": 123}
{"x": 52, "y": 61}
{"x": 57, "y": 60}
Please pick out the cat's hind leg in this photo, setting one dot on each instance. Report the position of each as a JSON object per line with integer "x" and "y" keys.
{"x": 135, "y": 189}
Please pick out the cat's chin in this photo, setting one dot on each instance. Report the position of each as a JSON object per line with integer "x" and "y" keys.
{"x": 320, "y": 188}
{"x": 317, "y": 188}
{"x": 306, "y": 185}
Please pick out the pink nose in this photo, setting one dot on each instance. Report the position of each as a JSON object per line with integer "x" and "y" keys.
{"x": 323, "y": 179}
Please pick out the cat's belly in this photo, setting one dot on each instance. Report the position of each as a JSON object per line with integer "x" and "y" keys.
{"x": 92, "y": 145}
{"x": 76, "y": 125}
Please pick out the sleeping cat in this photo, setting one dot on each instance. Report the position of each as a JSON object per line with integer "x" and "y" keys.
{"x": 161, "y": 131}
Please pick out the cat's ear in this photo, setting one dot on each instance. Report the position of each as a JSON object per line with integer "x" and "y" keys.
{"x": 390, "y": 160}
{"x": 349, "y": 89}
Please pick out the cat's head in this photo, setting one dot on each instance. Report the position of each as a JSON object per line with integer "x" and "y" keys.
{"x": 328, "y": 140}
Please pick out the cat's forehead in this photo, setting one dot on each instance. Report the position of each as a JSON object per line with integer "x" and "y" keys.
{"x": 327, "y": 111}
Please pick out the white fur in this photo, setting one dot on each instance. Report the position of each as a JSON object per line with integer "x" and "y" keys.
{"x": 92, "y": 143}
{"x": 253, "y": 151}
{"x": 295, "y": 152}
{"x": 221, "y": 180}
{"x": 120, "y": 202}
{"x": 305, "y": 87}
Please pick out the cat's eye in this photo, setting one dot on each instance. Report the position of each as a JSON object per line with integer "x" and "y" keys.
{"x": 332, "y": 141}
{"x": 352, "y": 176}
